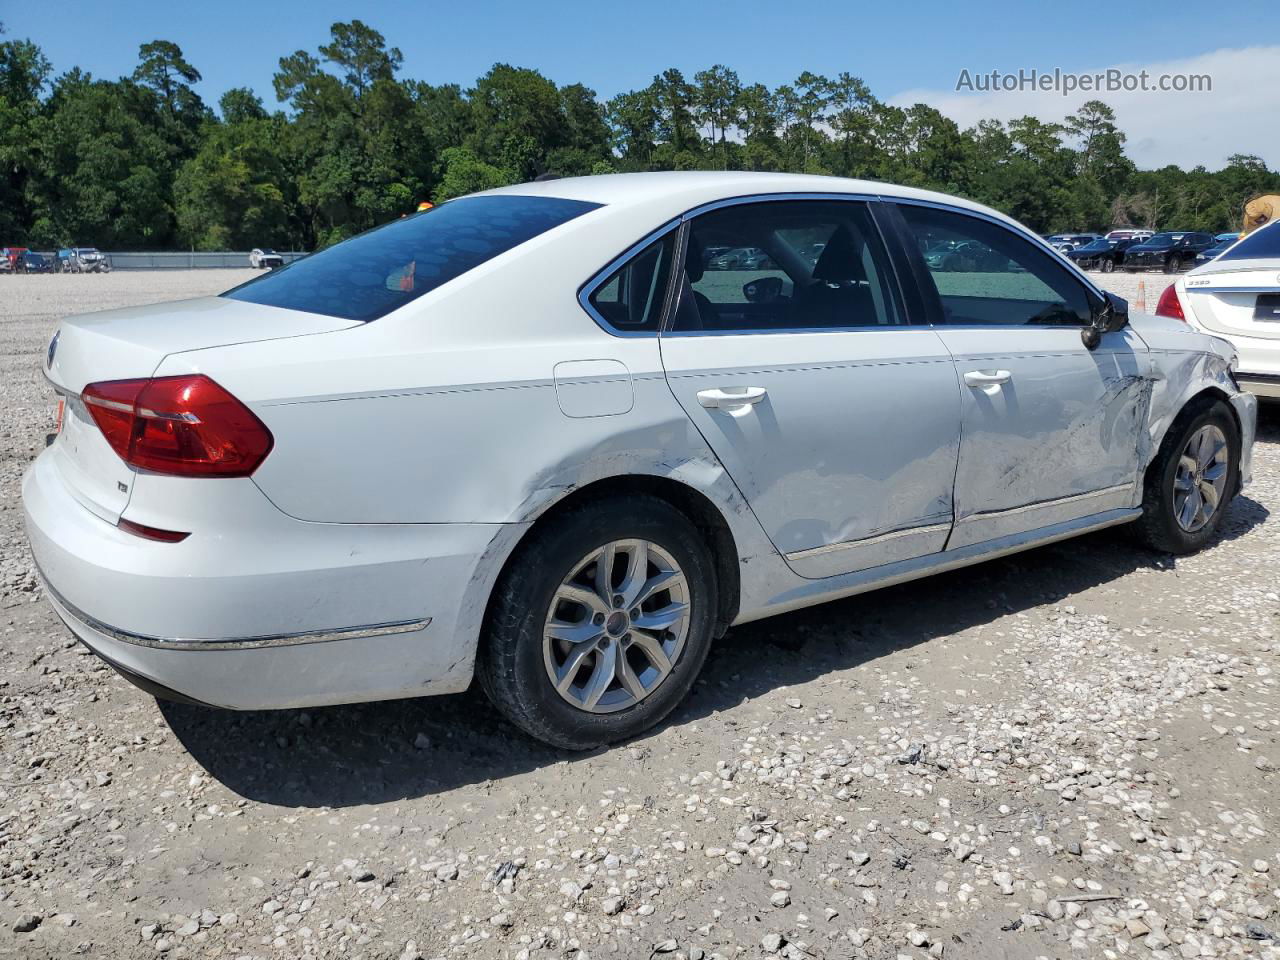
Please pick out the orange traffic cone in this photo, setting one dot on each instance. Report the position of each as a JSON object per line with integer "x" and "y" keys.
{"x": 1141, "y": 302}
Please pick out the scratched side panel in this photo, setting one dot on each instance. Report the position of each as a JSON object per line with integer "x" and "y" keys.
{"x": 1060, "y": 440}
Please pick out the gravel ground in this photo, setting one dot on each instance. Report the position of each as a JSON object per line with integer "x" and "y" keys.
{"x": 1070, "y": 752}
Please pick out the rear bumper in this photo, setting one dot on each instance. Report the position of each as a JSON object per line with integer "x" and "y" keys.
{"x": 266, "y": 611}
{"x": 1260, "y": 384}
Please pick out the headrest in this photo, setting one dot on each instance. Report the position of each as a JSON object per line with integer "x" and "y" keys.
{"x": 839, "y": 262}
{"x": 694, "y": 261}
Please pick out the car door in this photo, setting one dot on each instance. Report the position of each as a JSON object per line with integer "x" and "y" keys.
{"x": 1050, "y": 429}
{"x": 837, "y": 419}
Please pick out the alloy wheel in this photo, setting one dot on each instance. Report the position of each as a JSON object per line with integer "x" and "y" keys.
{"x": 616, "y": 626}
{"x": 1200, "y": 479}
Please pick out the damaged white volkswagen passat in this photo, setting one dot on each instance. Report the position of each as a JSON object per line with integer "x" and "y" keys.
{"x": 555, "y": 437}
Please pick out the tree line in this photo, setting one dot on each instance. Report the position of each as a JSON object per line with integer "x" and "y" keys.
{"x": 142, "y": 162}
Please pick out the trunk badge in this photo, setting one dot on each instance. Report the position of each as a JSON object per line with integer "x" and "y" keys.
{"x": 53, "y": 348}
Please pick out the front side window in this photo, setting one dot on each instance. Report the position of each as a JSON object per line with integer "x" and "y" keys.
{"x": 1262, "y": 244}
{"x": 374, "y": 273}
{"x": 630, "y": 300}
{"x": 986, "y": 274}
{"x": 785, "y": 266}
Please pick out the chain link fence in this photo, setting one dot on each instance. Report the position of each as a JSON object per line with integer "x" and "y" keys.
{"x": 193, "y": 260}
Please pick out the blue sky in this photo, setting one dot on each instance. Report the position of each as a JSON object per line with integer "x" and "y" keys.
{"x": 896, "y": 47}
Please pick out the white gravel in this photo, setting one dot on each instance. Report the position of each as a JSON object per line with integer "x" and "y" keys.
{"x": 1071, "y": 752}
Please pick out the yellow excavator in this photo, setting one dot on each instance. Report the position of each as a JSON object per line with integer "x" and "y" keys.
{"x": 1260, "y": 211}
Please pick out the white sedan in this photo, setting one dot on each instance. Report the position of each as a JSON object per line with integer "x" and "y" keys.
{"x": 1237, "y": 296}
{"x": 528, "y": 436}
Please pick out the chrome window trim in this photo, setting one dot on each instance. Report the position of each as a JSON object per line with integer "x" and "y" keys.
{"x": 1274, "y": 288}
{"x": 598, "y": 279}
{"x": 188, "y": 645}
{"x": 771, "y": 198}
{"x": 1017, "y": 231}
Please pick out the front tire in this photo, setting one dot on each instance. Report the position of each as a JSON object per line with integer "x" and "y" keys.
{"x": 1192, "y": 480}
{"x": 1108, "y": 265}
{"x": 600, "y": 624}
{"x": 1173, "y": 264}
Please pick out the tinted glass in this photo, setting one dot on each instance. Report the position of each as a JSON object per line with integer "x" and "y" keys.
{"x": 630, "y": 301}
{"x": 791, "y": 265}
{"x": 987, "y": 274}
{"x": 1262, "y": 244}
{"x": 378, "y": 271}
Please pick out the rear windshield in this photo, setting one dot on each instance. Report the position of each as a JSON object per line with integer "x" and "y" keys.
{"x": 370, "y": 275}
{"x": 1263, "y": 244}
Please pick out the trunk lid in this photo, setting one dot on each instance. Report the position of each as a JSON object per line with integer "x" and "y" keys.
{"x": 1241, "y": 297}
{"x": 129, "y": 344}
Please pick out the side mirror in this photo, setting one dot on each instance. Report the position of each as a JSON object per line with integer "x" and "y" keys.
{"x": 1112, "y": 315}
{"x": 763, "y": 290}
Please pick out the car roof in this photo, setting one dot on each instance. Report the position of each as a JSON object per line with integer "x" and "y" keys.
{"x": 671, "y": 193}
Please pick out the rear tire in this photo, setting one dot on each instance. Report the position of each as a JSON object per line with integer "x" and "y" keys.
{"x": 1173, "y": 264}
{"x": 1108, "y": 265}
{"x": 574, "y": 663}
{"x": 1170, "y": 523}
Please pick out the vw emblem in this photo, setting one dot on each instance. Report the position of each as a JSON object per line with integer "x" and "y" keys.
{"x": 53, "y": 348}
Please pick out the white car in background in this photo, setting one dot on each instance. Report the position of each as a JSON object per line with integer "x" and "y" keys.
{"x": 265, "y": 259}
{"x": 529, "y": 437}
{"x": 1237, "y": 296}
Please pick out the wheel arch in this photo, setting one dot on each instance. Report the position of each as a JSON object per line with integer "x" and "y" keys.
{"x": 701, "y": 511}
{"x": 1189, "y": 407}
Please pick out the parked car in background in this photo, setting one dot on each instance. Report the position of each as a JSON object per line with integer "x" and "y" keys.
{"x": 265, "y": 259}
{"x": 742, "y": 258}
{"x": 32, "y": 262}
{"x": 1127, "y": 233}
{"x": 81, "y": 260}
{"x": 224, "y": 518}
{"x": 1237, "y": 296}
{"x": 11, "y": 256}
{"x": 1171, "y": 251}
{"x": 964, "y": 256}
{"x": 1102, "y": 254}
{"x": 1066, "y": 242}
{"x": 1222, "y": 243}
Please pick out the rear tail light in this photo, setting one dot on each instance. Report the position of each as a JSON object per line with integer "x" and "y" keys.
{"x": 182, "y": 426}
{"x": 1170, "y": 305}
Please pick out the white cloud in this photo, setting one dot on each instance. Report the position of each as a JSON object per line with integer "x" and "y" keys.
{"x": 1237, "y": 116}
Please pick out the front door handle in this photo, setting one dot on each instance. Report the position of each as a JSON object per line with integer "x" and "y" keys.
{"x": 987, "y": 378}
{"x": 731, "y": 398}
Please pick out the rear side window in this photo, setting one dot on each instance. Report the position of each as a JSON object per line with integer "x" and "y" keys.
{"x": 785, "y": 266}
{"x": 1262, "y": 244}
{"x": 630, "y": 300}
{"x": 370, "y": 275}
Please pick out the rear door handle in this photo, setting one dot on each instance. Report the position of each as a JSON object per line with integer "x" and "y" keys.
{"x": 731, "y": 398}
{"x": 987, "y": 378}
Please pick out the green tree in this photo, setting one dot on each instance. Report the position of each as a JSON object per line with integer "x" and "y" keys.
{"x": 717, "y": 100}
{"x": 361, "y": 52}
{"x": 24, "y": 75}
{"x": 464, "y": 172}
{"x": 164, "y": 69}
